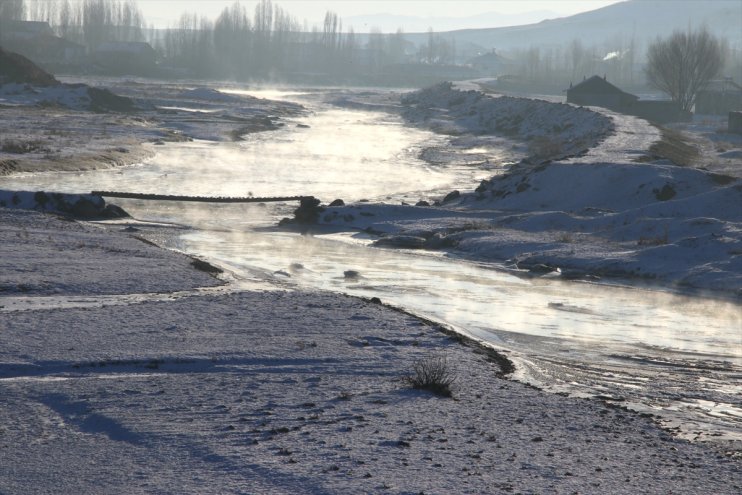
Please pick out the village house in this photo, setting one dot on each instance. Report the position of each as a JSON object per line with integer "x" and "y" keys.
{"x": 735, "y": 122}
{"x": 23, "y": 31}
{"x": 490, "y": 64}
{"x": 37, "y": 41}
{"x": 597, "y": 91}
{"x": 126, "y": 57}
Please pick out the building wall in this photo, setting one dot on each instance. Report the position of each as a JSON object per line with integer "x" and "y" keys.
{"x": 612, "y": 102}
{"x": 718, "y": 103}
{"x": 735, "y": 122}
{"x": 660, "y": 112}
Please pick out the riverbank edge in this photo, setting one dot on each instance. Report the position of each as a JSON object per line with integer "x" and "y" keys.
{"x": 117, "y": 157}
{"x": 493, "y": 355}
{"x": 487, "y": 358}
{"x": 535, "y": 159}
{"x": 490, "y": 352}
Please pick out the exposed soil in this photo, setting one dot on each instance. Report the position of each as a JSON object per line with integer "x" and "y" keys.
{"x": 15, "y": 68}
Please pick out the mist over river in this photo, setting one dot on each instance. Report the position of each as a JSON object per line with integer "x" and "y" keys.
{"x": 676, "y": 356}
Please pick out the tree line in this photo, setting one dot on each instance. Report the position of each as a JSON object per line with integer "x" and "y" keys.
{"x": 274, "y": 42}
{"x": 270, "y": 42}
{"x": 87, "y": 22}
{"x": 238, "y": 43}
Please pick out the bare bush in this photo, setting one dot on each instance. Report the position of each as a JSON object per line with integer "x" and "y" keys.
{"x": 683, "y": 64}
{"x": 433, "y": 373}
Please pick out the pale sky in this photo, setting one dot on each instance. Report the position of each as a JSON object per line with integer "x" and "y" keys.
{"x": 163, "y": 13}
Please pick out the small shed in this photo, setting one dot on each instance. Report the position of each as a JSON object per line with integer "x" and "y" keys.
{"x": 491, "y": 63}
{"x": 28, "y": 38}
{"x": 597, "y": 91}
{"x": 660, "y": 111}
{"x": 24, "y": 30}
{"x": 735, "y": 122}
{"x": 719, "y": 97}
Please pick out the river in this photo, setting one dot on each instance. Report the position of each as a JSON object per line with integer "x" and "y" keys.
{"x": 671, "y": 355}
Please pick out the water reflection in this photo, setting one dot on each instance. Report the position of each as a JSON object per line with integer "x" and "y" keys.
{"x": 487, "y": 302}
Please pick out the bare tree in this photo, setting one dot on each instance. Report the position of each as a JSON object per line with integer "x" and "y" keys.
{"x": 233, "y": 40}
{"x": 64, "y": 26}
{"x": 263, "y": 27}
{"x": 683, "y": 64}
{"x": 396, "y": 47}
{"x": 576, "y": 58}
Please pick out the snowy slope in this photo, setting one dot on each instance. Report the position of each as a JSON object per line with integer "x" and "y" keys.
{"x": 590, "y": 200}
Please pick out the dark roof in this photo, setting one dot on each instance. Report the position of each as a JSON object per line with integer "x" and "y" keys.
{"x": 598, "y": 85}
{"x": 28, "y": 26}
{"x": 489, "y": 58}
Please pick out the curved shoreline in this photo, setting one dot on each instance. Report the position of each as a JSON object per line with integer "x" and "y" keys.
{"x": 593, "y": 203}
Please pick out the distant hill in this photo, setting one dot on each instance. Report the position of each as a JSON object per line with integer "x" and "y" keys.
{"x": 389, "y": 23}
{"x": 644, "y": 20}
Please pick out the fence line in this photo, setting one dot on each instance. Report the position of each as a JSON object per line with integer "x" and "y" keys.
{"x": 200, "y": 199}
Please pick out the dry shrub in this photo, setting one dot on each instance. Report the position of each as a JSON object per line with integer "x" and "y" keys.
{"x": 433, "y": 373}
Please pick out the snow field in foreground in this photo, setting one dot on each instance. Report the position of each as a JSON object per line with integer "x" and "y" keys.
{"x": 289, "y": 392}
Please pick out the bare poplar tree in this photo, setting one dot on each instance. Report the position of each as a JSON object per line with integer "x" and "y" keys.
{"x": 65, "y": 22}
{"x": 233, "y": 39}
{"x": 576, "y": 58}
{"x": 683, "y": 64}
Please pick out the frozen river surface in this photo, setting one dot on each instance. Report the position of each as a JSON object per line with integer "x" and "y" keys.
{"x": 675, "y": 356}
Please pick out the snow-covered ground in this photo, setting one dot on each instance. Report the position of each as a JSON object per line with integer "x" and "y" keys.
{"x": 276, "y": 391}
{"x": 124, "y": 369}
{"x": 594, "y": 197}
{"x": 54, "y": 128}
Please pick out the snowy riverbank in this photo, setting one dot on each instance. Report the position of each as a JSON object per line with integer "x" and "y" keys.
{"x": 132, "y": 380}
{"x": 598, "y": 196}
{"x": 58, "y": 128}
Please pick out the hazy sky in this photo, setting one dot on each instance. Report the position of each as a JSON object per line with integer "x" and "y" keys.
{"x": 165, "y": 12}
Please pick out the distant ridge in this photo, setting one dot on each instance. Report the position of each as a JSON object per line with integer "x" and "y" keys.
{"x": 389, "y": 23}
{"x": 642, "y": 20}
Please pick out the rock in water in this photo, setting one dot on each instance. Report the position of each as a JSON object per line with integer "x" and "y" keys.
{"x": 308, "y": 211}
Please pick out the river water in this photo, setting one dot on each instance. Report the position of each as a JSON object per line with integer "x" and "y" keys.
{"x": 675, "y": 356}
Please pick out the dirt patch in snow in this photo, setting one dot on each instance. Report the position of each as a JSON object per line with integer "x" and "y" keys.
{"x": 675, "y": 147}
{"x": 15, "y": 68}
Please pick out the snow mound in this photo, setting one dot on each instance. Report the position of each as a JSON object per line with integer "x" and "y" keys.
{"x": 70, "y": 96}
{"x": 575, "y": 187}
{"x": 209, "y": 94}
{"x": 554, "y": 129}
{"x": 15, "y": 68}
